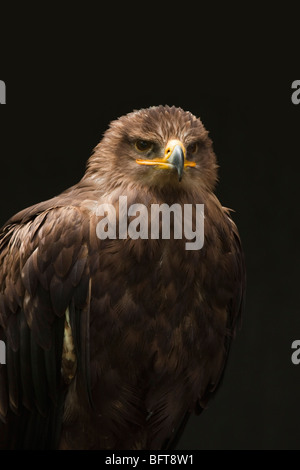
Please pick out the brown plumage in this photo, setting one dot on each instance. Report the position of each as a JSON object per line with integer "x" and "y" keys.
{"x": 113, "y": 343}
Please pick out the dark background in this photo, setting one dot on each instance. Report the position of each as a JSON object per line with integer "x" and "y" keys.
{"x": 61, "y": 98}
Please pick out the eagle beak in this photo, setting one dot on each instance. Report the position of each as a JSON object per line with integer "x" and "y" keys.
{"x": 174, "y": 158}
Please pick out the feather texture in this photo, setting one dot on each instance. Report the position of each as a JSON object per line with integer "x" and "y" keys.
{"x": 113, "y": 343}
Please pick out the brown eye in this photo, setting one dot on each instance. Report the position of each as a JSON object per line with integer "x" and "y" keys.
{"x": 192, "y": 148}
{"x": 143, "y": 145}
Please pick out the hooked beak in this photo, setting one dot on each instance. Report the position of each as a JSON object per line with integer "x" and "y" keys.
{"x": 174, "y": 158}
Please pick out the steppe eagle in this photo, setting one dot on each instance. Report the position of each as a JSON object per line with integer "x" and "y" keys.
{"x": 113, "y": 341}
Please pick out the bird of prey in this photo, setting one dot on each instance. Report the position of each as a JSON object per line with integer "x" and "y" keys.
{"x": 112, "y": 342}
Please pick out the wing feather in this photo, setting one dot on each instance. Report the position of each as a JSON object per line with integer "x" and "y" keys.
{"x": 25, "y": 365}
{"x": 230, "y": 280}
{"x": 44, "y": 270}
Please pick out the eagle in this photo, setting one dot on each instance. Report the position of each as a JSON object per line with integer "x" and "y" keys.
{"x": 112, "y": 342}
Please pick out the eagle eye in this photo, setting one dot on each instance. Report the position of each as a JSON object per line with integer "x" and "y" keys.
{"x": 143, "y": 145}
{"x": 192, "y": 148}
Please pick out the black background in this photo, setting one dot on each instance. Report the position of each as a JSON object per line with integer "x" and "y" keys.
{"x": 62, "y": 94}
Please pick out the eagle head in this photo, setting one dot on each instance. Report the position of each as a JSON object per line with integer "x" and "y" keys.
{"x": 160, "y": 146}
